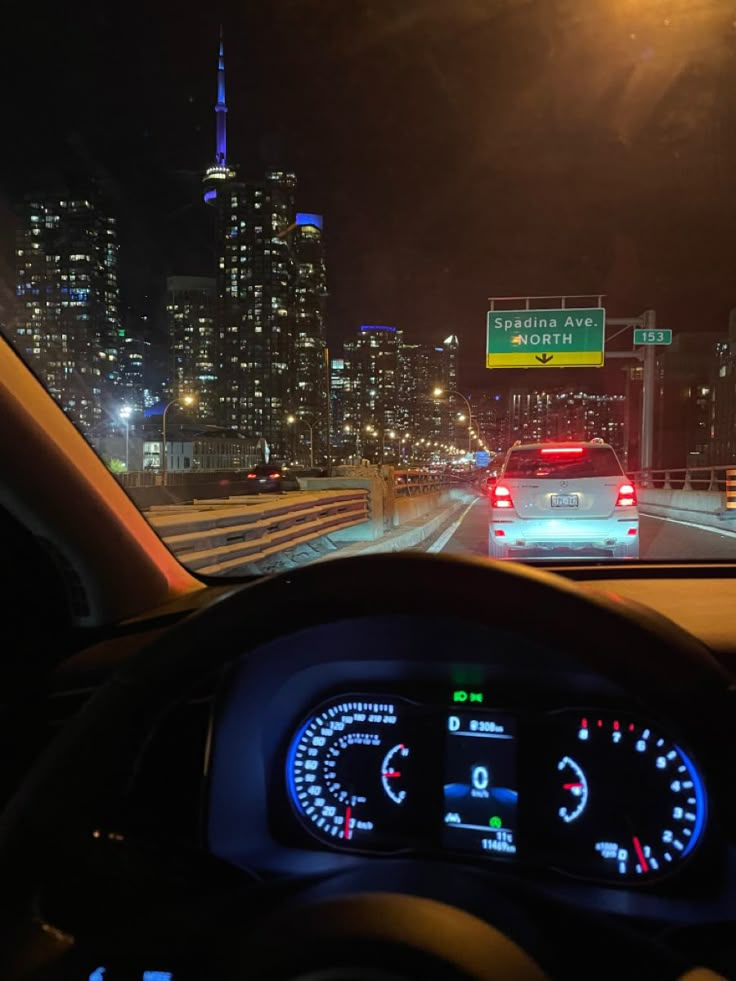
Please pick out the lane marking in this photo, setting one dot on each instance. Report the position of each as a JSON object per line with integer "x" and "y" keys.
{"x": 449, "y": 532}
{"x": 724, "y": 533}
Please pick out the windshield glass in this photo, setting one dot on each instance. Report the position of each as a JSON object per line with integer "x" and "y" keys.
{"x": 304, "y": 276}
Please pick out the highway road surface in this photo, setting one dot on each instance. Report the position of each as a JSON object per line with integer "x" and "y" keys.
{"x": 661, "y": 539}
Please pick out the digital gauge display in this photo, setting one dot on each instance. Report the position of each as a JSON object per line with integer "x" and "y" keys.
{"x": 349, "y": 770}
{"x": 597, "y": 794}
{"x": 480, "y": 790}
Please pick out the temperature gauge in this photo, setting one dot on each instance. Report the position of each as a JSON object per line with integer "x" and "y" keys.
{"x": 574, "y": 789}
{"x": 391, "y": 770}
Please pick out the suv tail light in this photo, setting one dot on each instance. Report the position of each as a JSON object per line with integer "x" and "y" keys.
{"x": 274, "y": 476}
{"x": 251, "y": 476}
{"x": 501, "y": 497}
{"x": 626, "y": 496}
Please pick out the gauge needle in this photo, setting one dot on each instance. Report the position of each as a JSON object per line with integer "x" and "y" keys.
{"x": 348, "y": 814}
{"x": 392, "y": 773}
{"x": 640, "y": 854}
{"x": 571, "y": 786}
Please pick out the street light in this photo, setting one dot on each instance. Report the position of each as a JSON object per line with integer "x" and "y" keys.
{"x": 291, "y": 420}
{"x": 124, "y": 414}
{"x": 184, "y": 400}
{"x": 439, "y": 392}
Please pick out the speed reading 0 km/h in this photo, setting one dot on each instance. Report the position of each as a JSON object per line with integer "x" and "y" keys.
{"x": 346, "y": 770}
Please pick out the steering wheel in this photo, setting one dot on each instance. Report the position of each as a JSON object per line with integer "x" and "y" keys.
{"x": 398, "y": 919}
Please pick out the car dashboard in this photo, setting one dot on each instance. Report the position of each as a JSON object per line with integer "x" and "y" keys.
{"x": 366, "y": 740}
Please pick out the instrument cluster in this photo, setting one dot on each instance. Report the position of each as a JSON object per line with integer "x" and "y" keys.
{"x": 594, "y": 793}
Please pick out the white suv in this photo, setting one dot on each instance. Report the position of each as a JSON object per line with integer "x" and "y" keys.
{"x": 563, "y": 501}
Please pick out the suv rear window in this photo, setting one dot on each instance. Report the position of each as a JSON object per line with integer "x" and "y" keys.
{"x": 592, "y": 461}
{"x": 266, "y": 469}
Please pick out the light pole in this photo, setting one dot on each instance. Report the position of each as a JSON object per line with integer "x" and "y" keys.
{"x": 439, "y": 392}
{"x": 391, "y": 435}
{"x": 184, "y": 400}
{"x": 372, "y": 431}
{"x": 125, "y": 416}
{"x": 291, "y": 420}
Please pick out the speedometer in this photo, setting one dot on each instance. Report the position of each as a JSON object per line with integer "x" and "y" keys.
{"x": 628, "y": 802}
{"x": 348, "y": 770}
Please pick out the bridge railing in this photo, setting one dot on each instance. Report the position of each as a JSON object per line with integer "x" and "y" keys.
{"x": 408, "y": 483}
{"x": 238, "y": 534}
{"x": 721, "y": 478}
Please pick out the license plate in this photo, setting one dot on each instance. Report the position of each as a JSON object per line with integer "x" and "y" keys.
{"x": 565, "y": 500}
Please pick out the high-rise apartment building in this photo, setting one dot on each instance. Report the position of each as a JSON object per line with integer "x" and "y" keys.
{"x": 565, "y": 415}
{"x": 722, "y": 448}
{"x": 311, "y": 382}
{"x": 193, "y": 341}
{"x": 67, "y": 319}
{"x": 576, "y": 415}
{"x": 527, "y": 416}
{"x": 383, "y": 394}
{"x": 422, "y": 369}
{"x": 132, "y": 371}
{"x": 375, "y": 365}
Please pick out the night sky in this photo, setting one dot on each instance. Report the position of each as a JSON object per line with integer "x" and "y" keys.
{"x": 457, "y": 148}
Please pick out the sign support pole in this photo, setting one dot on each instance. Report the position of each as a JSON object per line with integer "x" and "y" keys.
{"x": 647, "y": 398}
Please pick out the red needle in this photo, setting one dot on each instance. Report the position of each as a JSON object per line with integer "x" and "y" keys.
{"x": 571, "y": 786}
{"x": 640, "y": 854}
{"x": 392, "y": 773}
{"x": 348, "y": 814}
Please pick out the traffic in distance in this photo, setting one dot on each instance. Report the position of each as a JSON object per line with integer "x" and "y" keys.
{"x": 573, "y": 501}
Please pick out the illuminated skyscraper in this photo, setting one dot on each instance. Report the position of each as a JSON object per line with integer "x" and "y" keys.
{"x": 67, "y": 321}
{"x": 311, "y": 390}
{"x": 257, "y": 276}
{"x": 193, "y": 348}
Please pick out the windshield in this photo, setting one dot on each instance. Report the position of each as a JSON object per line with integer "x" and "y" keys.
{"x": 306, "y": 274}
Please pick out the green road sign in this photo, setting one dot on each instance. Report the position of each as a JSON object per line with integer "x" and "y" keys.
{"x": 560, "y": 338}
{"x": 642, "y": 336}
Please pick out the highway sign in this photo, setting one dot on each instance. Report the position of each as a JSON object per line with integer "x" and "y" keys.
{"x": 642, "y": 336}
{"x": 482, "y": 458}
{"x": 560, "y": 338}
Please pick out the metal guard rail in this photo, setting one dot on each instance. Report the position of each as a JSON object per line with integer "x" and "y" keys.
{"x": 221, "y": 537}
{"x": 408, "y": 483}
{"x": 687, "y": 478}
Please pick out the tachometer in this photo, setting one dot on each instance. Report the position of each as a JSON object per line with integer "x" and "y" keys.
{"x": 346, "y": 770}
{"x": 630, "y": 803}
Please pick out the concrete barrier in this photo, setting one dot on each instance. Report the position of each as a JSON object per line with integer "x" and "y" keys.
{"x": 695, "y": 506}
{"x": 407, "y": 509}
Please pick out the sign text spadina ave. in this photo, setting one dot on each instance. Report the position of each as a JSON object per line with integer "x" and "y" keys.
{"x": 559, "y": 338}
{"x": 560, "y": 320}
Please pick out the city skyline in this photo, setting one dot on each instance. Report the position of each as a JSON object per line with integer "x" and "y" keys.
{"x": 455, "y": 232}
